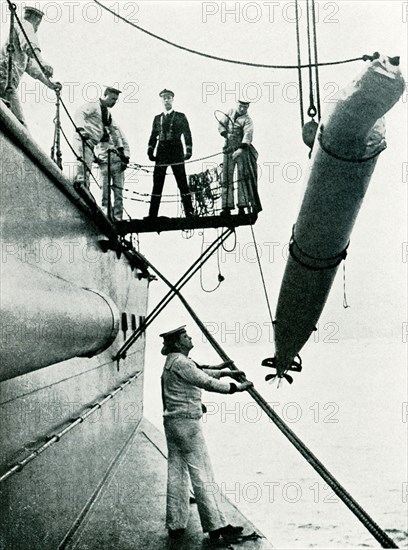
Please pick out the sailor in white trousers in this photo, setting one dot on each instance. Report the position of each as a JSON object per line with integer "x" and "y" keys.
{"x": 23, "y": 44}
{"x": 94, "y": 125}
{"x": 188, "y": 459}
{"x": 112, "y": 170}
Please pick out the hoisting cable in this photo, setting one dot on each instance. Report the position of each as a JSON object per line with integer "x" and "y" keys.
{"x": 121, "y": 354}
{"x": 215, "y": 57}
{"x": 262, "y": 276}
{"x": 375, "y": 530}
{"x": 312, "y": 111}
{"x": 316, "y": 62}
{"x": 299, "y": 67}
{"x": 309, "y": 129}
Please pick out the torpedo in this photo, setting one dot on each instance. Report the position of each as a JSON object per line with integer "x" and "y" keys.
{"x": 350, "y": 137}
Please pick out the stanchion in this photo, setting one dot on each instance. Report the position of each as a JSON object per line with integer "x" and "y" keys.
{"x": 56, "y": 154}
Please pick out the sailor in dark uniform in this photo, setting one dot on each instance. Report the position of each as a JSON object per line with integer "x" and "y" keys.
{"x": 168, "y": 127}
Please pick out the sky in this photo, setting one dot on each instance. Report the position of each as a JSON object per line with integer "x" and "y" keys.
{"x": 88, "y": 49}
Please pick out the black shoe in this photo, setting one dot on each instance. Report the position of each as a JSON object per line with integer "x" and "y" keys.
{"x": 176, "y": 533}
{"x": 225, "y": 212}
{"x": 79, "y": 184}
{"x": 229, "y": 533}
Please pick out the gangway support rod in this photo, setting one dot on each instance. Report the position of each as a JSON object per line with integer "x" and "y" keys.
{"x": 206, "y": 255}
{"x": 379, "y": 534}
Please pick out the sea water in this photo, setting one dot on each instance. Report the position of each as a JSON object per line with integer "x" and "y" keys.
{"x": 349, "y": 407}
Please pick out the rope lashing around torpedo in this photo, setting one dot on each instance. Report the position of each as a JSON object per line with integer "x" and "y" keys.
{"x": 302, "y": 258}
{"x": 380, "y": 149}
{"x": 379, "y": 534}
{"x": 308, "y": 262}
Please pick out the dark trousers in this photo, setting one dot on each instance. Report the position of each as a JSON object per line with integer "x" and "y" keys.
{"x": 159, "y": 175}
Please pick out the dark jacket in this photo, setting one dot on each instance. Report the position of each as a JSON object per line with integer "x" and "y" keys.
{"x": 166, "y": 134}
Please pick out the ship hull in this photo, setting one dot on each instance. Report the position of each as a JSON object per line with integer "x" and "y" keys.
{"x": 52, "y": 465}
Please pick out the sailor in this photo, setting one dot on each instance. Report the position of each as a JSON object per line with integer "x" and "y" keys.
{"x": 22, "y": 45}
{"x": 168, "y": 127}
{"x": 113, "y": 158}
{"x": 94, "y": 126}
{"x": 188, "y": 459}
{"x": 237, "y": 128}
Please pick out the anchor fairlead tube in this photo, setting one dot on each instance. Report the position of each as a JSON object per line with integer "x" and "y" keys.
{"x": 45, "y": 320}
{"x": 350, "y": 138}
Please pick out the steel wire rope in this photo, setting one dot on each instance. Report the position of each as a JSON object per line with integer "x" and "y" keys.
{"x": 312, "y": 108}
{"x": 262, "y": 276}
{"x": 259, "y": 263}
{"x": 181, "y": 162}
{"x": 314, "y": 26}
{"x": 215, "y": 57}
{"x": 192, "y": 193}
